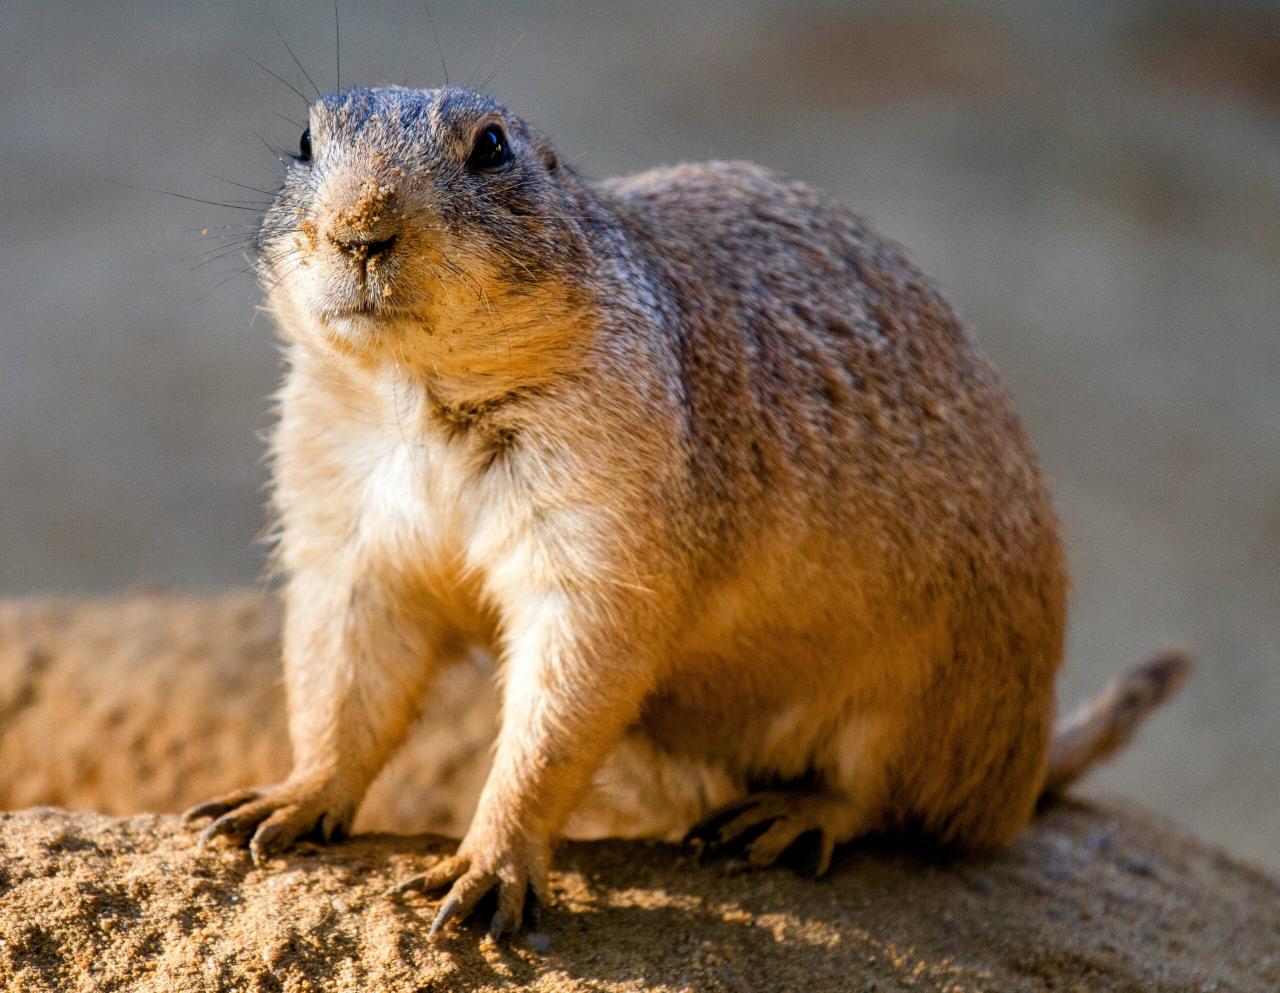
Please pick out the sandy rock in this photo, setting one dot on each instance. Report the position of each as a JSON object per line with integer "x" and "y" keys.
{"x": 156, "y": 702}
{"x": 153, "y": 702}
{"x": 1090, "y": 899}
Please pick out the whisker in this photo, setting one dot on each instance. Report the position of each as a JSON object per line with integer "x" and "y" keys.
{"x": 274, "y": 154}
{"x": 270, "y": 261}
{"x": 221, "y": 257}
{"x": 426, "y": 9}
{"x": 242, "y": 205}
{"x": 272, "y": 284}
{"x": 218, "y": 250}
{"x": 337, "y": 43}
{"x": 221, "y": 283}
{"x": 232, "y": 182}
{"x": 301, "y": 68}
{"x": 505, "y": 58}
{"x": 301, "y": 96}
{"x": 230, "y": 230}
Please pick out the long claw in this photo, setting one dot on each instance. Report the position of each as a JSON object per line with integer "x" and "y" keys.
{"x": 270, "y": 838}
{"x": 444, "y": 915}
{"x": 512, "y": 899}
{"x": 221, "y": 826}
{"x": 738, "y": 827}
{"x": 708, "y": 828}
{"x": 824, "y": 854}
{"x": 220, "y": 806}
{"x": 439, "y": 875}
{"x": 768, "y": 825}
{"x": 417, "y": 884}
{"x": 212, "y": 808}
{"x": 331, "y": 828}
{"x": 509, "y": 882}
{"x": 779, "y": 837}
{"x": 533, "y": 904}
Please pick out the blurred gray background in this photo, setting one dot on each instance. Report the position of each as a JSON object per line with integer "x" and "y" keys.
{"x": 1096, "y": 185}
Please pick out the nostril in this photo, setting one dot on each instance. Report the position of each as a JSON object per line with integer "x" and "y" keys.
{"x": 363, "y": 249}
{"x": 379, "y": 247}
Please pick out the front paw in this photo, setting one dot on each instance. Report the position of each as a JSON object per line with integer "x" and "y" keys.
{"x": 271, "y": 818}
{"x": 486, "y": 862}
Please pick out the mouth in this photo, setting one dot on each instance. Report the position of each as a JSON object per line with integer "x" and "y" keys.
{"x": 367, "y": 299}
{"x": 364, "y": 320}
{"x": 357, "y": 319}
{"x": 356, "y": 310}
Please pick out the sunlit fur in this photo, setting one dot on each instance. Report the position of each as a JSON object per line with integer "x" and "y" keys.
{"x": 710, "y": 467}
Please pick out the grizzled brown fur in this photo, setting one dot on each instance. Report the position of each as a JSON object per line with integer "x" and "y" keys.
{"x": 708, "y": 466}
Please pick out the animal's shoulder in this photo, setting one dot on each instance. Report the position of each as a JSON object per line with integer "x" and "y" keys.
{"x": 722, "y": 194}
{"x": 748, "y": 224}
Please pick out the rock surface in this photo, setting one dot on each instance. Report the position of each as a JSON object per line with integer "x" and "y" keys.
{"x": 1089, "y": 899}
{"x": 153, "y": 702}
{"x": 157, "y": 702}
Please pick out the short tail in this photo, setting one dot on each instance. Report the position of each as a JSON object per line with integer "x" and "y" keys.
{"x": 1102, "y": 726}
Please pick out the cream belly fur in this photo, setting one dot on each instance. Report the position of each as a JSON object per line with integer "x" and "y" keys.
{"x": 708, "y": 466}
{"x": 782, "y": 721}
{"x": 403, "y": 489}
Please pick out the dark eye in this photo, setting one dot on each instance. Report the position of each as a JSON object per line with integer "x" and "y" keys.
{"x": 304, "y": 146}
{"x": 490, "y": 151}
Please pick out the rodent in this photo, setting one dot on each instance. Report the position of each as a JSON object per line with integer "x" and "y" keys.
{"x": 709, "y": 466}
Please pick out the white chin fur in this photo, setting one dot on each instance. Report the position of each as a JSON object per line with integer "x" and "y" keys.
{"x": 357, "y": 327}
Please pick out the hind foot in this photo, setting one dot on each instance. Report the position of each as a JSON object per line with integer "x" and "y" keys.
{"x": 767, "y": 825}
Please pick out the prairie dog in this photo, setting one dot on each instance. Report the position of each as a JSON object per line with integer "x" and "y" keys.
{"x": 708, "y": 465}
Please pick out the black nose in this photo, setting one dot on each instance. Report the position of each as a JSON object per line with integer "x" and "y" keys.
{"x": 363, "y": 248}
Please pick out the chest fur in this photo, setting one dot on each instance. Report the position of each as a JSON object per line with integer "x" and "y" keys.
{"x": 498, "y": 514}
{"x": 369, "y": 479}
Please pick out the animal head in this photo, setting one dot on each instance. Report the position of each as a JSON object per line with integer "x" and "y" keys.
{"x": 427, "y": 227}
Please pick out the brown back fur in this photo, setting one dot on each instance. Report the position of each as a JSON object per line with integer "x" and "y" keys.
{"x": 708, "y": 465}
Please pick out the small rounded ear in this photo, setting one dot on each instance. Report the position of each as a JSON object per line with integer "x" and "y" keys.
{"x": 545, "y": 153}
{"x": 540, "y": 147}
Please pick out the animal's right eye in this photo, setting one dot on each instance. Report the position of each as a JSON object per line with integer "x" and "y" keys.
{"x": 491, "y": 151}
{"x": 304, "y": 146}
